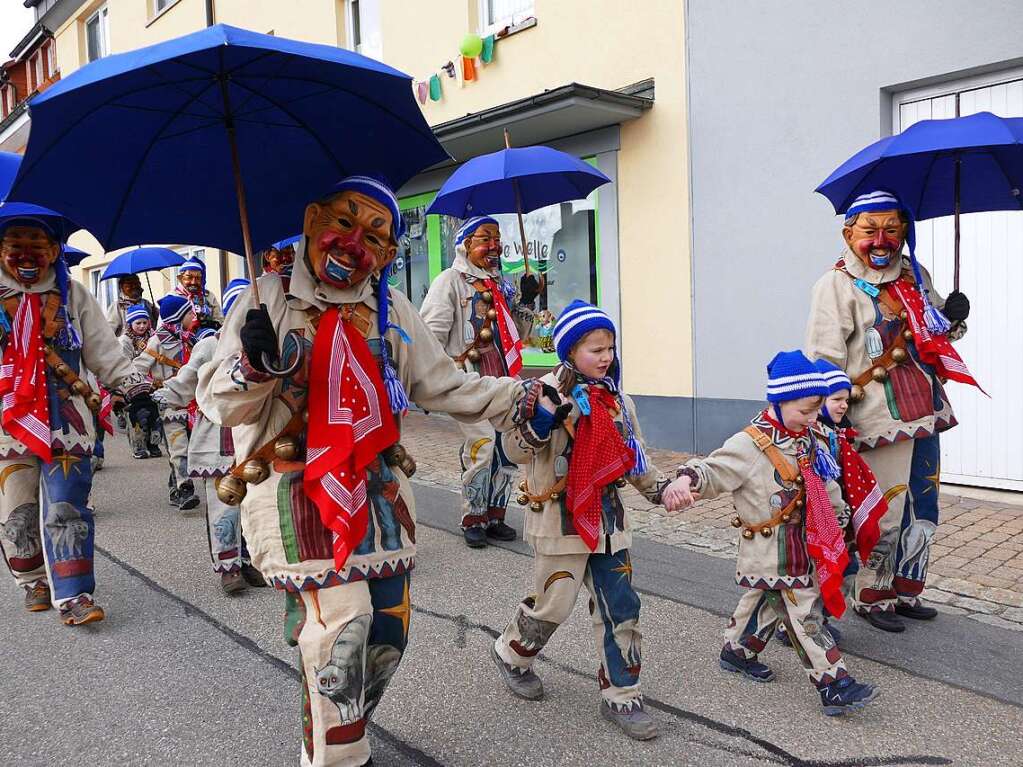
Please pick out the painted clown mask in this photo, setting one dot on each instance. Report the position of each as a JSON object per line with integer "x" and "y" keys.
{"x": 28, "y": 253}
{"x": 279, "y": 261}
{"x": 191, "y": 280}
{"x": 876, "y": 237}
{"x": 131, "y": 288}
{"x": 348, "y": 237}
{"x": 483, "y": 247}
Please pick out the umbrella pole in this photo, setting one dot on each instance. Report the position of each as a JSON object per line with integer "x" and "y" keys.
{"x": 955, "y": 279}
{"x": 152, "y": 295}
{"x": 518, "y": 209}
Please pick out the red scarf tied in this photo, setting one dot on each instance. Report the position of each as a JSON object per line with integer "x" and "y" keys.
{"x": 599, "y": 457}
{"x": 26, "y": 409}
{"x": 348, "y": 427}
{"x": 862, "y": 493}
{"x": 824, "y": 541}
{"x": 511, "y": 344}
{"x": 936, "y": 351}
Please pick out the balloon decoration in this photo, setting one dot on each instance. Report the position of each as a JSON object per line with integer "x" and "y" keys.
{"x": 472, "y": 46}
{"x": 473, "y": 51}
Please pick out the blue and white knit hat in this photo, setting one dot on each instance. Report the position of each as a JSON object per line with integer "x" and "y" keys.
{"x": 234, "y": 289}
{"x": 173, "y": 308}
{"x": 380, "y": 192}
{"x": 576, "y": 320}
{"x": 834, "y": 376}
{"x": 790, "y": 375}
{"x": 880, "y": 199}
{"x": 136, "y": 312}
{"x": 193, "y": 265}
{"x": 471, "y": 225}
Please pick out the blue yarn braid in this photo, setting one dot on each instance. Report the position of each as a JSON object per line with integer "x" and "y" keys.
{"x": 395, "y": 391}
{"x": 642, "y": 465}
{"x": 935, "y": 321}
{"x": 824, "y": 464}
{"x": 67, "y": 337}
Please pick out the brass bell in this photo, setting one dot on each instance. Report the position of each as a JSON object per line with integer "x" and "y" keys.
{"x": 522, "y": 486}
{"x": 799, "y": 479}
{"x": 536, "y": 506}
{"x": 767, "y": 532}
{"x": 736, "y": 522}
{"x": 903, "y": 315}
{"x": 94, "y": 402}
{"x": 899, "y": 355}
{"x": 62, "y": 369}
{"x": 857, "y": 394}
{"x": 907, "y": 334}
{"x": 747, "y": 534}
{"x": 473, "y": 355}
{"x": 621, "y": 482}
{"x": 879, "y": 374}
{"x": 255, "y": 471}
{"x": 491, "y": 314}
{"x": 486, "y": 335}
{"x": 487, "y": 297}
{"x": 408, "y": 465}
{"x": 231, "y": 490}
{"x": 555, "y": 495}
{"x": 522, "y": 500}
{"x": 800, "y": 503}
{"x": 286, "y": 448}
{"x": 786, "y": 518}
{"x": 80, "y": 387}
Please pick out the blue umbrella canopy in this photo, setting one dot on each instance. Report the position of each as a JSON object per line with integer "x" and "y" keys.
{"x": 981, "y": 154}
{"x": 142, "y": 260}
{"x": 170, "y": 141}
{"x": 9, "y": 164}
{"x": 74, "y": 256}
{"x": 516, "y": 180}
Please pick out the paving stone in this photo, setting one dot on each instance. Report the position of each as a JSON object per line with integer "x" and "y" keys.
{"x": 996, "y": 620}
{"x": 1014, "y": 614}
{"x": 977, "y": 605}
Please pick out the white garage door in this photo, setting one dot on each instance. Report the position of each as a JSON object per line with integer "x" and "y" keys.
{"x": 986, "y": 449}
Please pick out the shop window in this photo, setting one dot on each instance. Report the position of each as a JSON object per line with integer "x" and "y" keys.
{"x": 362, "y": 24}
{"x": 97, "y": 35}
{"x": 497, "y": 14}
{"x": 51, "y": 59}
{"x": 37, "y": 68}
{"x": 410, "y": 271}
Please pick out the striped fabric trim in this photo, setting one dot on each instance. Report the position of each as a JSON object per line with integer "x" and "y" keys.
{"x": 573, "y": 318}
{"x": 873, "y": 201}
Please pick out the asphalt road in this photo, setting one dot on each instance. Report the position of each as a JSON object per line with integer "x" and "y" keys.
{"x": 181, "y": 675}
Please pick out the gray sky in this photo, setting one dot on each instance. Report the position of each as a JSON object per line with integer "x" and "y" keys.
{"x": 15, "y": 21}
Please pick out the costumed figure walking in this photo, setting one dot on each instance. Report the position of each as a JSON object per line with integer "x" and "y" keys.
{"x": 790, "y": 514}
{"x": 192, "y": 286}
{"x": 210, "y": 457}
{"x": 279, "y": 258}
{"x": 876, "y": 316}
{"x": 481, "y": 320}
{"x": 328, "y": 511}
{"x": 165, "y": 354}
{"x": 51, "y": 331}
{"x": 577, "y": 456}
{"x": 129, "y": 294}
{"x": 144, "y": 434}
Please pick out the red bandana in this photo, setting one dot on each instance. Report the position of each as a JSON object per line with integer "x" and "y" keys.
{"x": 824, "y": 541}
{"x": 599, "y": 457}
{"x": 348, "y": 427}
{"x": 862, "y": 493}
{"x": 936, "y": 351}
{"x": 105, "y": 409}
{"x": 26, "y": 410}
{"x": 511, "y": 344}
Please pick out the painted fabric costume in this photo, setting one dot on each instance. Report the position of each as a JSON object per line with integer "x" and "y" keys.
{"x": 203, "y": 303}
{"x": 47, "y": 526}
{"x": 351, "y": 621}
{"x": 117, "y": 312}
{"x": 456, "y": 309}
{"x": 143, "y": 436}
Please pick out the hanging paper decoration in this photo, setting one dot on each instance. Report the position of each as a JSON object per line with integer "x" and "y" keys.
{"x": 449, "y": 69}
{"x": 468, "y": 69}
{"x": 471, "y": 46}
{"x": 434, "y": 88}
{"x": 487, "y": 49}
{"x": 423, "y": 91}
{"x": 463, "y": 69}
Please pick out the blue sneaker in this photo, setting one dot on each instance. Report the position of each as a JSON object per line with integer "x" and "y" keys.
{"x": 846, "y": 695}
{"x": 748, "y": 667}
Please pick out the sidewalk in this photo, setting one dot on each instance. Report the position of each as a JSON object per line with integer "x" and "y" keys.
{"x": 976, "y": 561}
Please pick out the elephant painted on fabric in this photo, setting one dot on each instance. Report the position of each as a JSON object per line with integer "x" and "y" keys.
{"x": 22, "y": 531}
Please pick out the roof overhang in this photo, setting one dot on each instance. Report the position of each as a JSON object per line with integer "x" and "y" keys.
{"x": 557, "y": 113}
{"x": 29, "y": 41}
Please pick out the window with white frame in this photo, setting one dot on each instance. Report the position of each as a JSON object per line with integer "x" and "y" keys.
{"x": 498, "y": 14}
{"x": 51, "y": 58}
{"x": 37, "y": 68}
{"x": 160, "y": 5}
{"x": 362, "y": 23}
{"x": 97, "y": 35}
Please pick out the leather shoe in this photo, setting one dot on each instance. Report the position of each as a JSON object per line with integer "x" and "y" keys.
{"x": 916, "y": 612}
{"x": 475, "y": 537}
{"x": 884, "y": 620}
{"x": 499, "y": 531}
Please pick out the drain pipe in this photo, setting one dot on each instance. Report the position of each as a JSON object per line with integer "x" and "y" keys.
{"x": 210, "y": 14}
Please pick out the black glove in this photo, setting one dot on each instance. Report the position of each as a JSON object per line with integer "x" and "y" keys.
{"x": 529, "y": 288}
{"x": 562, "y": 408}
{"x": 258, "y": 337}
{"x": 142, "y": 407}
{"x": 208, "y": 322}
{"x": 957, "y": 307}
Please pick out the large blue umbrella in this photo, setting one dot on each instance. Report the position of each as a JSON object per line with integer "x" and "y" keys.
{"x": 939, "y": 168}
{"x": 74, "y": 256}
{"x": 9, "y": 164}
{"x": 218, "y": 138}
{"x": 516, "y": 181}
{"x": 142, "y": 260}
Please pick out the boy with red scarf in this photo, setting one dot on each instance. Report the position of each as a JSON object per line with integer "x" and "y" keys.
{"x": 328, "y": 511}
{"x": 481, "y": 320}
{"x": 577, "y": 456}
{"x": 792, "y": 555}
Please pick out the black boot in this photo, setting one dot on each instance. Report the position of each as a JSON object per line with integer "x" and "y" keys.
{"x": 187, "y": 499}
{"x": 750, "y": 668}
{"x": 885, "y": 620}
{"x": 475, "y": 537}
{"x": 499, "y": 531}
{"x": 846, "y": 695}
{"x": 252, "y": 576}
{"x": 916, "y": 612}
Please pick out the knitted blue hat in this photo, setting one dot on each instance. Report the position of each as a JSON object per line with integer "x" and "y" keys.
{"x": 466, "y": 230}
{"x": 936, "y": 322}
{"x": 136, "y": 312}
{"x": 834, "y": 376}
{"x": 790, "y": 375}
{"x": 193, "y": 265}
{"x": 380, "y": 192}
{"x": 234, "y": 289}
{"x": 576, "y": 320}
{"x": 174, "y": 307}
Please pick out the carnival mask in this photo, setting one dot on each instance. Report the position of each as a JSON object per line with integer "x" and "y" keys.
{"x": 191, "y": 281}
{"x": 131, "y": 288}
{"x": 483, "y": 247}
{"x": 279, "y": 261}
{"x": 876, "y": 237}
{"x": 28, "y": 253}
{"x": 348, "y": 237}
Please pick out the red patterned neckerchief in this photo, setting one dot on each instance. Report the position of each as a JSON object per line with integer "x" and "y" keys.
{"x": 105, "y": 409}
{"x": 936, "y": 351}
{"x": 599, "y": 457}
{"x": 511, "y": 344}
{"x": 349, "y": 425}
{"x": 862, "y": 493}
{"x": 26, "y": 409}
